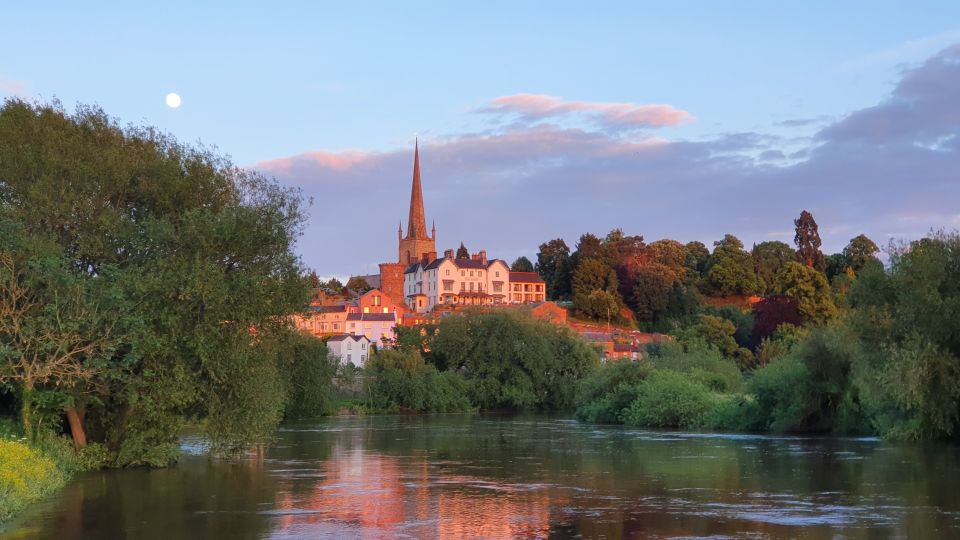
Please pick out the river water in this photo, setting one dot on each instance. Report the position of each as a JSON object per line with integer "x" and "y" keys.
{"x": 478, "y": 476}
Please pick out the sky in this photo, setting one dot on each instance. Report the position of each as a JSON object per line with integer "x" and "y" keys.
{"x": 684, "y": 120}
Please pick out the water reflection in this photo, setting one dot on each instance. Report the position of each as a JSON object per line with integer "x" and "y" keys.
{"x": 535, "y": 477}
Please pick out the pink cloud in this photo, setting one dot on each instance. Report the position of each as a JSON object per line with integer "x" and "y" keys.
{"x": 539, "y": 106}
{"x": 339, "y": 161}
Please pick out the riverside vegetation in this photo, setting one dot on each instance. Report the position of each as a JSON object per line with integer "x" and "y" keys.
{"x": 146, "y": 285}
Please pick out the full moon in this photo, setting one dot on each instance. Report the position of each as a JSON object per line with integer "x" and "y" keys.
{"x": 173, "y": 100}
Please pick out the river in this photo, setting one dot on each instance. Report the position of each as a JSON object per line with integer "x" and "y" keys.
{"x": 480, "y": 476}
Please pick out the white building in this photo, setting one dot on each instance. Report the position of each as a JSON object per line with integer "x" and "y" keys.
{"x": 377, "y": 327}
{"x": 354, "y": 349}
{"x": 475, "y": 281}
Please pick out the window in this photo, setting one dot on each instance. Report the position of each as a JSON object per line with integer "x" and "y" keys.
{"x": 349, "y": 357}
{"x": 471, "y": 273}
{"x": 463, "y": 273}
{"x": 448, "y": 285}
{"x": 448, "y": 271}
{"x": 349, "y": 345}
{"x": 471, "y": 286}
{"x": 376, "y": 300}
{"x": 497, "y": 274}
{"x": 363, "y": 346}
{"x": 497, "y": 286}
{"x": 366, "y": 310}
{"x": 336, "y": 326}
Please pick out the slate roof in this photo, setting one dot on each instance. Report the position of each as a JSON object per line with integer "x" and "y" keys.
{"x": 342, "y": 337}
{"x": 525, "y": 277}
{"x": 378, "y": 317}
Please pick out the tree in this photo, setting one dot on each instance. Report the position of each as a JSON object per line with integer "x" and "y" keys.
{"x": 462, "y": 252}
{"x": 731, "y": 270}
{"x": 595, "y": 290}
{"x": 807, "y": 239}
{"x": 555, "y": 267}
{"x": 768, "y": 259}
{"x": 719, "y": 332}
{"x": 201, "y": 250}
{"x": 860, "y": 252}
{"x": 56, "y": 328}
{"x": 772, "y": 312}
{"x": 698, "y": 257}
{"x": 522, "y": 264}
{"x": 652, "y": 289}
{"x": 333, "y": 285}
{"x": 358, "y": 284}
{"x": 809, "y": 289}
{"x": 314, "y": 279}
{"x": 589, "y": 247}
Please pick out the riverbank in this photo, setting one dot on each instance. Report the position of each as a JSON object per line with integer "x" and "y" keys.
{"x": 26, "y": 476}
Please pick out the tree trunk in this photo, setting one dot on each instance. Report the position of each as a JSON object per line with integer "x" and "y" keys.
{"x": 75, "y": 418}
{"x": 26, "y": 416}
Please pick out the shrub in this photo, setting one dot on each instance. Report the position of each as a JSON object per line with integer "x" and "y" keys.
{"x": 605, "y": 393}
{"x": 702, "y": 361}
{"x": 398, "y": 380}
{"x": 669, "y": 399}
{"x": 25, "y": 476}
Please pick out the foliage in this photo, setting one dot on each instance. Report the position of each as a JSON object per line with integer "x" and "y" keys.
{"x": 768, "y": 258}
{"x": 809, "y": 289}
{"x": 359, "y": 285}
{"x": 701, "y": 362}
{"x": 200, "y": 252}
{"x": 718, "y": 332}
{"x": 743, "y": 322}
{"x": 463, "y": 252}
{"x": 860, "y": 252}
{"x": 522, "y": 264}
{"x": 731, "y": 269}
{"x": 698, "y": 257}
{"x": 771, "y": 312}
{"x": 669, "y": 399}
{"x": 25, "y": 476}
{"x": 652, "y": 288}
{"x": 807, "y": 240}
{"x": 556, "y": 268}
{"x": 398, "y": 380}
{"x": 604, "y": 394}
{"x": 909, "y": 323}
{"x": 595, "y": 290}
{"x": 309, "y": 377}
{"x": 513, "y": 361}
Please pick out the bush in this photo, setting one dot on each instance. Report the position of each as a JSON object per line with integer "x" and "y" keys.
{"x": 25, "y": 476}
{"x": 605, "y": 393}
{"x": 398, "y": 380}
{"x": 703, "y": 362}
{"x": 669, "y": 399}
{"x": 734, "y": 413}
{"x": 780, "y": 389}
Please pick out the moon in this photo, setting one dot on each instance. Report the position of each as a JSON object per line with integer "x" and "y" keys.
{"x": 173, "y": 100}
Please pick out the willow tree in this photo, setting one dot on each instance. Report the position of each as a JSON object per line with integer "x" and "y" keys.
{"x": 203, "y": 253}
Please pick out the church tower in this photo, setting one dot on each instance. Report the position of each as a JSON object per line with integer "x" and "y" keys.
{"x": 417, "y": 244}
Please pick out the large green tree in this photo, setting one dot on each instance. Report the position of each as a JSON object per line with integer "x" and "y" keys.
{"x": 522, "y": 264}
{"x": 731, "y": 269}
{"x": 860, "y": 252}
{"x": 555, "y": 267}
{"x": 809, "y": 289}
{"x": 204, "y": 252}
{"x": 768, "y": 259}
{"x": 595, "y": 291}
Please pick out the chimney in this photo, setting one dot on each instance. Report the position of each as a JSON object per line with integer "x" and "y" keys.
{"x": 424, "y": 258}
{"x": 431, "y": 256}
{"x": 483, "y": 256}
{"x": 448, "y": 254}
{"x": 475, "y": 257}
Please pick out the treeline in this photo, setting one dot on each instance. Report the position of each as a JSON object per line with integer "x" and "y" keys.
{"x": 500, "y": 360}
{"x": 144, "y": 285}
{"x": 878, "y": 352}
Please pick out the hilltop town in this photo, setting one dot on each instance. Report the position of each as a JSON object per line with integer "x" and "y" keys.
{"x": 421, "y": 287}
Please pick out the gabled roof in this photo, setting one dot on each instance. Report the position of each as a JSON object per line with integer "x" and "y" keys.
{"x": 328, "y": 309}
{"x": 525, "y": 277}
{"x": 344, "y": 337}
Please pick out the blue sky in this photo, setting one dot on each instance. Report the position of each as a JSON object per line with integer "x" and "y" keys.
{"x": 276, "y": 86}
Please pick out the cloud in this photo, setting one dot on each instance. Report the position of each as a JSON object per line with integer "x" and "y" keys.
{"x": 516, "y": 185}
{"x": 12, "y": 87}
{"x": 531, "y": 107}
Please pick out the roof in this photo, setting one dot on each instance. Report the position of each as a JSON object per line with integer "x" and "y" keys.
{"x": 617, "y": 347}
{"x": 342, "y": 337}
{"x": 469, "y": 263}
{"x": 373, "y": 317}
{"x": 328, "y": 309}
{"x": 412, "y": 268}
{"x": 526, "y": 277}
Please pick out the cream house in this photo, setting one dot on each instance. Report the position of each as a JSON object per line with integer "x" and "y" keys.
{"x": 353, "y": 349}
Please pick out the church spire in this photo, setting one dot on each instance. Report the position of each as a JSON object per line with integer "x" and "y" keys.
{"x": 416, "y": 225}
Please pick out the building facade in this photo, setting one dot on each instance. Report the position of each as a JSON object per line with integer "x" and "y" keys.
{"x": 350, "y": 348}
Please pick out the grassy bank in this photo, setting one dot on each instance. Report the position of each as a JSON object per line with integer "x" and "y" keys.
{"x": 26, "y": 476}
